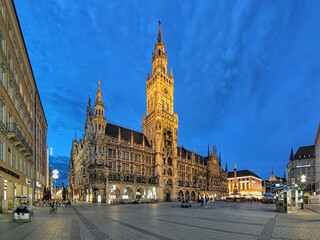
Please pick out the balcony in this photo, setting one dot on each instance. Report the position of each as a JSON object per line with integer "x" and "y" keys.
{"x": 15, "y": 135}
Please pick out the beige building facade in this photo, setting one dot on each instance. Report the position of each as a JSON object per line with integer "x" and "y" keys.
{"x": 317, "y": 161}
{"x": 114, "y": 163}
{"x": 244, "y": 183}
{"x": 20, "y": 106}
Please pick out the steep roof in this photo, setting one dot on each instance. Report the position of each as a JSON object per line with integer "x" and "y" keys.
{"x": 113, "y": 130}
{"x": 198, "y": 158}
{"x": 243, "y": 173}
{"x": 304, "y": 152}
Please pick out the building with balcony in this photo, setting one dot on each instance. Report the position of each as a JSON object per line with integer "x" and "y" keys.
{"x": 115, "y": 163}
{"x": 301, "y": 169}
{"x": 20, "y": 106}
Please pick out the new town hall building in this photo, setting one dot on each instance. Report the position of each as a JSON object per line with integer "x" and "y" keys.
{"x": 111, "y": 162}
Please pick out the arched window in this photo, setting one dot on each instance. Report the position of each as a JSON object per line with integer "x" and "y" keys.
{"x": 169, "y": 171}
{"x": 99, "y": 112}
{"x": 170, "y": 161}
{"x": 169, "y": 182}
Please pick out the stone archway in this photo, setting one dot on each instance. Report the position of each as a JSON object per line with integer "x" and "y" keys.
{"x": 113, "y": 193}
{"x": 187, "y": 195}
{"x": 193, "y": 196}
{"x": 140, "y": 193}
{"x": 167, "y": 195}
{"x": 180, "y": 193}
{"x": 127, "y": 193}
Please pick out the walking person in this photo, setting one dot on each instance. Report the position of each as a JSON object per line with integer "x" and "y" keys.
{"x": 199, "y": 200}
{"x": 179, "y": 200}
{"x": 207, "y": 201}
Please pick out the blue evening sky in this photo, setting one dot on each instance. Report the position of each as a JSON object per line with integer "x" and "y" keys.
{"x": 246, "y": 72}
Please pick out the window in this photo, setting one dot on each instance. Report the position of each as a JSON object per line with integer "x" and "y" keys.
{"x": 2, "y": 112}
{"x": 2, "y": 41}
{"x": 1, "y": 150}
{"x": 15, "y": 160}
{"x": 20, "y": 164}
{"x": 138, "y": 158}
{"x": 99, "y": 161}
{"x": 2, "y": 77}
{"x": 111, "y": 153}
{"x": 9, "y": 157}
{"x": 10, "y": 61}
{"x": 125, "y": 155}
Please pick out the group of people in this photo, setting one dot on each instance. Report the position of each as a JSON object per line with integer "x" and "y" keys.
{"x": 203, "y": 201}
{"x": 184, "y": 202}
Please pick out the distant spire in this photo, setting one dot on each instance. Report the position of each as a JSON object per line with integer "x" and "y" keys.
{"x": 291, "y": 154}
{"x": 148, "y": 75}
{"x": 220, "y": 158}
{"x": 208, "y": 150}
{"x": 171, "y": 72}
{"x": 75, "y": 136}
{"x": 159, "y": 34}
{"x": 226, "y": 168}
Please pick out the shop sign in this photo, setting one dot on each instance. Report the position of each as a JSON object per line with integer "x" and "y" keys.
{"x": 28, "y": 181}
{"x": 9, "y": 172}
{"x": 38, "y": 184}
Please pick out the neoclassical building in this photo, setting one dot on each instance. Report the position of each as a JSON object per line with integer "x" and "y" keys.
{"x": 112, "y": 162}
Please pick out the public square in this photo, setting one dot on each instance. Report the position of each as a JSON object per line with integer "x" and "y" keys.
{"x": 221, "y": 220}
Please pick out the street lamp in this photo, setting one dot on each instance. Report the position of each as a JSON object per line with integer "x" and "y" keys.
{"x": 55, "y": 176}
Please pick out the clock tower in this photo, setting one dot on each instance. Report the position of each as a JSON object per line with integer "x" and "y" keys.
{"x": 160, "y": 125}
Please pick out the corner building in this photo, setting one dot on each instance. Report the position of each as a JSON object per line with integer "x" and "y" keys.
{"x": 23, "y": 125}
{"x": 114, "y": 163}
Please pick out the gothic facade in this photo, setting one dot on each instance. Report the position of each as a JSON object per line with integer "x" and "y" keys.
{"x": 113, "y": 163}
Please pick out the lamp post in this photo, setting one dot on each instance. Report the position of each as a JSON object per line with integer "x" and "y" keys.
{"x": 55, "y": 176}
{"x": 303, "y": 180}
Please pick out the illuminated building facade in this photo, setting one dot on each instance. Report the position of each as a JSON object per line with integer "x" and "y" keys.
{"x": 244, "y": 183}
{"x": 317, "y": 160}
{"x": 112, "y": 162}
{"x": 301, "y": 169}
{"x": 23, "y": 126}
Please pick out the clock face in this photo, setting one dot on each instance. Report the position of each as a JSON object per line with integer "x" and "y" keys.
{"x": 165, "y": 91}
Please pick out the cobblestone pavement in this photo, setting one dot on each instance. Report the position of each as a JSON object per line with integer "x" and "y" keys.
{"x": 220, "y": 220}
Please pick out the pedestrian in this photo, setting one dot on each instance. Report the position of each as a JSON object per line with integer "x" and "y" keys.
{"x": 199, "y": 200}
{"x": 203, "y": 200}
{"x": 179, "y": 200}
{"x": 207, "y": 201}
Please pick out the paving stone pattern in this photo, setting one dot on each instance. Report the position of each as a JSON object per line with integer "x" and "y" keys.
{"x": 165, "y": 221}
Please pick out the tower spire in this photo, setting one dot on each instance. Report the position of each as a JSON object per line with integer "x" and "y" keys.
{"x": 159, "y": 34}
{"x": 99, "y": 96}
{"x": 291, "y": 154}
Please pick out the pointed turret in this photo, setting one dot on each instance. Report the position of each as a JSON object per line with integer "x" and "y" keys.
{"x": 220, "y": 158}
{"x": 119, "y": 134}
{"x": 226, "y": 168}
{"x": 159, "y": 40}
{"x": 291, "y": 154}
{"x": 75, "y": 137}
{"x": 99, "y": 96}
{"x": 148, "y": 77}
{"x": 208, "y": 151}
{"x": 171, "y": 73}
{"x": 99, "y": 120}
